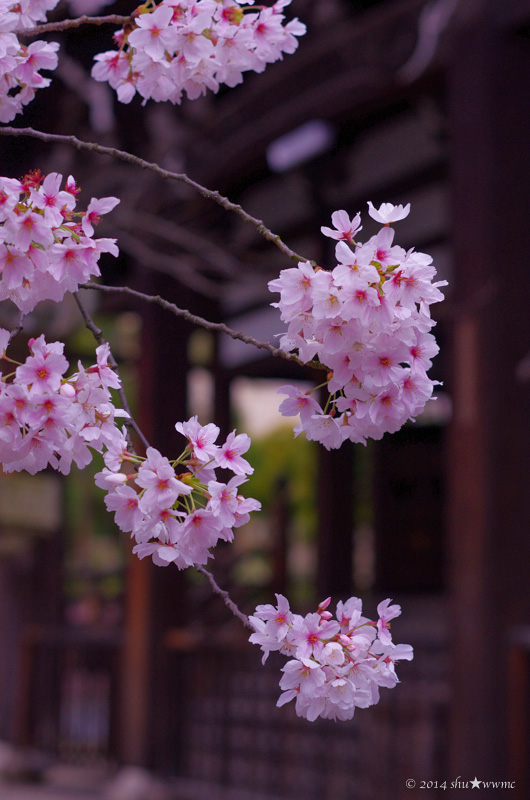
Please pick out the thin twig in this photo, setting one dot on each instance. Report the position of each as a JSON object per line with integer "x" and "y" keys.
{"x": 129, "y": 158}
{"x": 98, "y": 336}
{"x": 226, "y": 597}
{"x": 65, "y": 24}
{"x": 195, "y": 320}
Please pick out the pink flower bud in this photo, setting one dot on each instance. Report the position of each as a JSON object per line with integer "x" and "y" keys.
{"x": 67, "y": 390}
{"x": 116, "y": 478}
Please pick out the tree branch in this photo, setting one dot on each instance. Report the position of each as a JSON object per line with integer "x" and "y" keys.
{"x": 200, "y": 321}
{"x": 65, "y": 24}
{"x": 129, "y": 158}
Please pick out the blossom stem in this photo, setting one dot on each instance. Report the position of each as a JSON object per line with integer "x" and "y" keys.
{"x": 327, "y": 403}
{"x": 320, "y": 385}
{"x": 206, "y": 464}
{"x": 123, "y": 155}
{"x": 180, "y": 459}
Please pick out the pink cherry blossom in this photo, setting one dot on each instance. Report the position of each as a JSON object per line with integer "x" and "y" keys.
{"x": 224, "y": 501}
{"x": 43, "y": 254}
{"x": 368, "y": 321}
{"x": 95, "y": 209}
{"x": 230, "y": 455}
{"x": 202, "y": 438}
{"x": 386, "y": 613}
{"x": 47, "y": 419}
{"x": 177, "y": 518}
{"x": 344, "y": 228}
{"x": 20, "y": 63}
{"x": 194, "y": 46}
{"x": 152, "y": 33}
{"x": 4, "y": 341}
{"x": 298, "y": 402}
{"x": 157, "y": 477}
{"x": 334, "y": 665}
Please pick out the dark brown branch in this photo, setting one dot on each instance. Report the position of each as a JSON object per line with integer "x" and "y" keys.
{"x": 129, "y": 158}
{"x": 195, "y": 320}
{"x": 66, "y": 24}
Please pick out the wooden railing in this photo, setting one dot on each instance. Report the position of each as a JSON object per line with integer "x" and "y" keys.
{"x": 67, "y": 692}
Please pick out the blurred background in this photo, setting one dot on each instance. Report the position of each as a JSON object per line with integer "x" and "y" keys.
{"x": 108, "y": 660}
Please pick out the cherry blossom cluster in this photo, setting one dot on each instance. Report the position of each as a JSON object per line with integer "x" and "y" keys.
{"x": 335, "y": 665}
{"x": 46, "y": 246}
{"x": 368, "y": 321}
{"x": 20, "y": 63}
{"x": 177, "y": 510}
{"x": 47, "y": 419}
{"x": 190, "y": 46}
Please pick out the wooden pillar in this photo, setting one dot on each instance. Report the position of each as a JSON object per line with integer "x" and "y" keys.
{"x": 489, "y": 437}
{"x": 475, "y": 703}
{"x": 134, "y": 682}
{"x": 154, "y": 594}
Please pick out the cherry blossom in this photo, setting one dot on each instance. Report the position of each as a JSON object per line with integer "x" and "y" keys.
{"x": 230, "y": 455}
{"x": 177, "y": 517}
{"x": 201, "y": 438}
{"x": 334, "y": 665}
{"x": 194, "y": 45}
{"x": 368, "y": 322}
{"x": 46, "y": 246}
{"x": 344, "y": 227}
{"x": 47, "y": 419}
{"x": 19, "y": 63}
